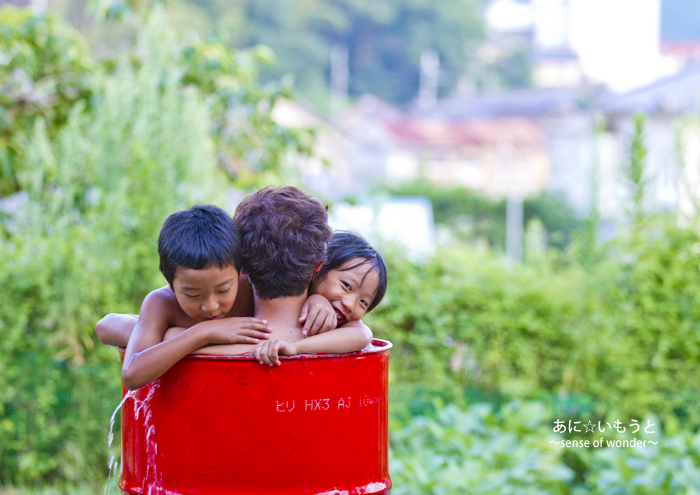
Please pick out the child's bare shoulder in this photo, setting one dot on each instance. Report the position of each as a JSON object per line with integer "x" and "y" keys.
{"x": 162, "y": 297}
{"x": 162, "y": 304}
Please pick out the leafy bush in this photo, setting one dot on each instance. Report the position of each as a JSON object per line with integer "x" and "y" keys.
{"x": 671, "y": 467}
{"x": 484, "y": 450}
{"x": 470, "y": 215}
{"x": 620, "y": 336}
{"x": 478, "y": 451}
{"x": 47, "y": 71}
{"x": 250, "y": 147}
{"x": 83, "y": 244}
{"x": 42, "y": 70}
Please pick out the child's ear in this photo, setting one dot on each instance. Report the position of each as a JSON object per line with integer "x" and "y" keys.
{"x": 318, "y": 267}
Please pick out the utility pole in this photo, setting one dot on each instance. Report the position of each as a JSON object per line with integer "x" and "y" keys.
{"x": 429, "y": 72}
{"x": 340, "y": 74}
{"x": 514, "y": 226}
{"x": 514, "y": 203}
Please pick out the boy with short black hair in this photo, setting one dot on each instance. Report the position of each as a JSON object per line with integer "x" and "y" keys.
{"x": 196, "y": 238}
{"x": 200, "y": 257}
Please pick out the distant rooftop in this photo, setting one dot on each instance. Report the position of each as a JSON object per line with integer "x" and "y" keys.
{"x": 676, "y": 94}
{"x": 442, "y": 134}
{"x": 562, "y": 53}
{"x": 523, "y": 103}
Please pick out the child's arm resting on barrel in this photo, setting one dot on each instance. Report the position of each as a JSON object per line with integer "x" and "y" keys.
{"x": 115, "y": 329}
{"x": 147, "y": 356}
{"x": 351, "y": 337}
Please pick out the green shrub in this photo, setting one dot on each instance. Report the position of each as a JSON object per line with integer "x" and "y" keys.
{"x": 622, "y": 336}
{"x": 82, "y": 245}
{"x": 471, "y": 216}
{"x": 95, "y": 183}
{"x": 513, "y": 449}
{"x": 478, "y": 451}
{"x": 671, "y": 467}
{"x": 42, "y": 75}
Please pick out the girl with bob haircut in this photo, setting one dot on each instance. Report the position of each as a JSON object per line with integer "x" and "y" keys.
{"x": 348, "y": 251}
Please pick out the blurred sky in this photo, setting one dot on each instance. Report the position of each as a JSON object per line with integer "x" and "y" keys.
{"x": 617, "y": 41}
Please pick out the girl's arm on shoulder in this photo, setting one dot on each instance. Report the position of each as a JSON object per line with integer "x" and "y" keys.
{"x": 351, "y": 337}
{"x": 317, "y": 315}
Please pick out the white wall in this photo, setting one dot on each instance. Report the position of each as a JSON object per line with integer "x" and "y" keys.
{"x": 406, "y": 221}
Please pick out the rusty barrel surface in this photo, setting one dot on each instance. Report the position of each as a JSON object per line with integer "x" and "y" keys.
{"x": 221, "y": 425}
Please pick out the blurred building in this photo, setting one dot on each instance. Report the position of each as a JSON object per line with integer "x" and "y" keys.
{"x": 646, "y": 54}
{"x": 338, "y": 169}
{"x": 375, "y": 143}
{"x": 521, "y": 142}
{"x": 672, "y": 137}
{"x": 495, "y": 154}
{"x": 404, "y": 221}
{"x": 347, "y": 162}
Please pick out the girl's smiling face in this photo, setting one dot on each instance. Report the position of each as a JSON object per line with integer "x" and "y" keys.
{"x": 350, "y": 292}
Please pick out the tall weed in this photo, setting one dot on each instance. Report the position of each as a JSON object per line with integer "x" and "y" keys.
{"x": 82, "y": 245}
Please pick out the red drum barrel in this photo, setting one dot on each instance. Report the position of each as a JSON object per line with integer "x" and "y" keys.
{"x": 218, "y": 425}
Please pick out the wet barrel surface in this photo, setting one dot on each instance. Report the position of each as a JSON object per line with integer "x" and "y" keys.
{"x": 317, "y": 424}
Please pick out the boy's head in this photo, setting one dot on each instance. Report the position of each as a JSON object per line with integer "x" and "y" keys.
{"x": 284, "y": 233}
{"x": 200, "y": 237}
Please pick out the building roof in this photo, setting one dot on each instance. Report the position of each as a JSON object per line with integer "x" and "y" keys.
{"x": 521, "y": 103}
{"x": 432, "y": 133}
{"x": 676, "y": 94}
{"x": 559, "y": 54}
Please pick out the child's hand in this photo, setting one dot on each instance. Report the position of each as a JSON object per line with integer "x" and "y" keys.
{"x": 268, "y": 352}
{"x": 236, "y": 330}
{"x": 318, "y": 316}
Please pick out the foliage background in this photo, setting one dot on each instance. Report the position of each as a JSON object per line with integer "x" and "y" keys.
{"x": 384, "y": 41}
{"x": 96, "y": 153}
